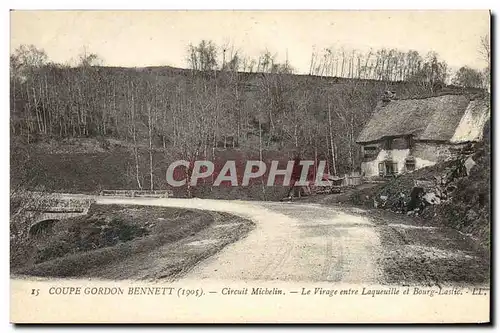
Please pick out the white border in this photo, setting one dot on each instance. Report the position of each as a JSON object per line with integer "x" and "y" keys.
{"x": 255, "y": 4}
{"x": 200, "y": 4}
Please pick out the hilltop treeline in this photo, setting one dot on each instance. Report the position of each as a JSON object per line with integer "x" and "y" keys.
{"x": 212, "y": 105}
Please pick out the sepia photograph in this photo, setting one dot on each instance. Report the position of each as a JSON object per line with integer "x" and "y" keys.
{"x": 250, "y": 166}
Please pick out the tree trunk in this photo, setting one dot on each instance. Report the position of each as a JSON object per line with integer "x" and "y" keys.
{"x": 315, "y": 160}
{"x": 150, "y": 148}
{"x": 136, "y": 152}
{"x": 351, "y": 143}
{"x": 334, "y": 168}
{"x": 260, "y": 158}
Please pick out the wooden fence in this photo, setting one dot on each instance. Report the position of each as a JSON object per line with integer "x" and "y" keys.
{"x": 352, "y": 180}
{"x": 138, "y": 193}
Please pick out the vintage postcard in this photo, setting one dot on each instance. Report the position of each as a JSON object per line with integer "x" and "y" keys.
{"x": 250, "y": 166}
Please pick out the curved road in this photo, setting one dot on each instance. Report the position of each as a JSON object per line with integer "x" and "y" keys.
{"x": 297, "y": 242}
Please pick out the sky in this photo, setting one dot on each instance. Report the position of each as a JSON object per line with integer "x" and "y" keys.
{"x": 151, "y": 38}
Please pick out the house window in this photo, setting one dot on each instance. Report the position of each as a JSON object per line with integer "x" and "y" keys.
{"x": 410, "y": 164}
{"x": 369, "y": 151}
{"x": 387, "y": 168}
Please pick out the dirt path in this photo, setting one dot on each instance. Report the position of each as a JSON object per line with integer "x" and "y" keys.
{"x": 315, "y": 242}
{"x": 290, "y": 242}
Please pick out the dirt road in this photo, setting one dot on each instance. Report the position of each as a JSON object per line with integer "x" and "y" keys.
{"x": 290, "y": 242}
{"x": 314, "y": 242}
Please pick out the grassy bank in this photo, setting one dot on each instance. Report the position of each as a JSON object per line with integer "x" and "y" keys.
{"x": 88, "y": 166}
{"x": 107, "y": 235}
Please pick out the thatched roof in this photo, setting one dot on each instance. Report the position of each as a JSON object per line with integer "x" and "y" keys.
{"x": 434, "y": 118}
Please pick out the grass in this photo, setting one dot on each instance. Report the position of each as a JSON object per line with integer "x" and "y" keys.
{"x": 108, "y": 234}
{"x": 76, "y": 167}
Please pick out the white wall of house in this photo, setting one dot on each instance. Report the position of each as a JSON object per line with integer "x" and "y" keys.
{"x": 399, "y": 156}
{"x": 370, "y": 168}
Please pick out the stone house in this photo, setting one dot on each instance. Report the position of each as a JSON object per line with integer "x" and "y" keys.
{"x": 408, "y": 134}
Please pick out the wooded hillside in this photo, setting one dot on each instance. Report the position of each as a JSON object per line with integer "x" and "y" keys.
{"x": 193, "y": 112}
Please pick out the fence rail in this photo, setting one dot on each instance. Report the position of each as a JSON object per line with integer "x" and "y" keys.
{"x": 350, "y": 180}
{"x": 138, "y": 193}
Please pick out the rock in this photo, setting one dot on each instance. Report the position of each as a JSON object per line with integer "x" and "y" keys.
{"x": 431, "y": 198}
{"x": 439, "y": 179}
{"x": 443, "y": 196}
{"x": 471, "y": 215}
{"x": 423, "y": 183}
{"x": 451, "y": 188}
{"x": 469, "y": 164}
{"x": 383, "y": 197}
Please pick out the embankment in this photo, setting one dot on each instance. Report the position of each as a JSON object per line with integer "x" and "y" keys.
{"x": 454, "y": 194}
{"x": 109, "y": 238}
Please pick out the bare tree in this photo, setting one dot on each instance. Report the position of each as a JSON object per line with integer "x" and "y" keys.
{"x": 133, "y": 123}
{"x": 332, "y": 145}
{"x": 485, "y": 51}
{"x": 86, "y": 59}
{"x": 150, "y": 136}
{"x": 468, "y": 77}
{"x": 203, "y": 57}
